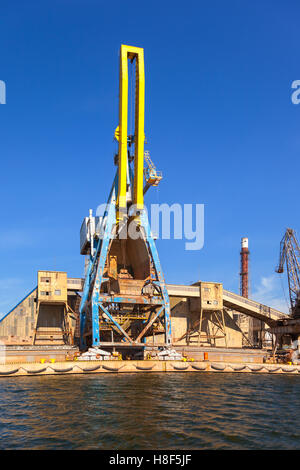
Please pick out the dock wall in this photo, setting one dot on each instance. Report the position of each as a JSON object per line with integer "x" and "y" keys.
{"x": 117, "y": 367}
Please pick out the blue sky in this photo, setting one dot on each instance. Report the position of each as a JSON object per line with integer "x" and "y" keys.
{"x": 220, "y": 124}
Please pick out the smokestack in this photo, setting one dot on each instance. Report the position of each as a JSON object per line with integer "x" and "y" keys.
{"x": 244, "y": 274}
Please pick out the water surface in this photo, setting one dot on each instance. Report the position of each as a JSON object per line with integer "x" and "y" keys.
{"x": 150, "y": 411}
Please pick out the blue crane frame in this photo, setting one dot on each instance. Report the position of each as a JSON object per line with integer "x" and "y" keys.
{"x": 92, "y": 300}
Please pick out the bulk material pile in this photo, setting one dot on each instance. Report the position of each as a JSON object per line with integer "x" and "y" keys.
{"x": 169, "y": 355}
{"x": 95, "y": 354}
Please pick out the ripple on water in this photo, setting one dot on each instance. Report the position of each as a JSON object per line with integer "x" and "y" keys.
{"x": 144, "y": 411}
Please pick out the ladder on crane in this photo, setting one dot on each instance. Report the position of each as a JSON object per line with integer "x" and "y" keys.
{"x": 152, "y": 176}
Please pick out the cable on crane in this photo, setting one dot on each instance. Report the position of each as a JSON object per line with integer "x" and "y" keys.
{"x": 284, "y": 294}
{"x": 131, "y": 96}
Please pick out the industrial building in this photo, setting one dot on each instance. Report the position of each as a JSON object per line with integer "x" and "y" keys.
{"x": 47, "y": 319}
{"x": 46, "y": 315}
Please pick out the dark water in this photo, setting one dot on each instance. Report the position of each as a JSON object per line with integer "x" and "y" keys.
{"x": 150, "y": 411}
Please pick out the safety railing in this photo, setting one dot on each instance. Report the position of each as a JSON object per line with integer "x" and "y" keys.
{"x": 264, "y": 309}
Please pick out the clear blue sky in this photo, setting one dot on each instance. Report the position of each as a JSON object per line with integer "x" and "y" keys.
{"x": 220, "y": 125}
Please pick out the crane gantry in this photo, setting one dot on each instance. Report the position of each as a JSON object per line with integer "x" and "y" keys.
{"x": 125, "y": 301}
{"x": 290, "y": 255}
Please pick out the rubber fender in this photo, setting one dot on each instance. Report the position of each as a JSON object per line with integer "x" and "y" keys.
{"x": 39, "y": 371}
{"x": 198, "y": 367}
{"x": 180, "y": 368}
{"x": 8, "y": 372}
{"x": 90, "y": 369}
{"x": 111, "y": 369}
{"x": 62, "y": 370}
{"x": 144, "y": 368}
{"x": 217, "y": 367}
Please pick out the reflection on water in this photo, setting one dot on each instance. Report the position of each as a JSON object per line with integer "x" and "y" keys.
{"x": 150, "y": 411}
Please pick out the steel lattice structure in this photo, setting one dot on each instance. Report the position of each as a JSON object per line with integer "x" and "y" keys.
{"x": 290, "y": 255}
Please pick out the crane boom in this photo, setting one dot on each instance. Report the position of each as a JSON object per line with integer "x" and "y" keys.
{"x": 290, "y": 255}
{"x": 134, "y": 54}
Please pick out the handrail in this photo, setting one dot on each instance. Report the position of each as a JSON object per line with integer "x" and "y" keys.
{"x": 261, "y": 307}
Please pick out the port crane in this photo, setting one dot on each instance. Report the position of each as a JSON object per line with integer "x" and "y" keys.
{"x": 290, "y": 255}
{"x": 125, "y": 302}
{"x": 289, "y": 329}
